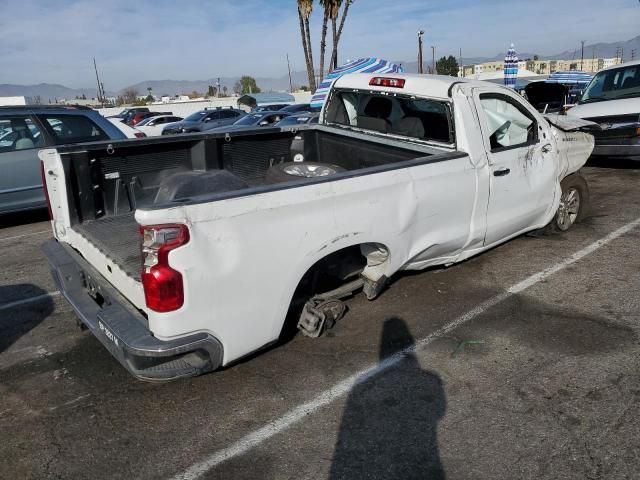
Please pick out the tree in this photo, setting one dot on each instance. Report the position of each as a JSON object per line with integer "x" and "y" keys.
{"x": 305, "y": 8}
{"x": 327, "y": 6}
{"x": 129, "y": 95}
{"x": 448, "y": 66}
{"x": 194, "y": 94}
{"x": 224, "y": 90}
{"x": 536, "y": 58}
{"x": 245, "y": 85}
{"x": 337, "y": 32}
{"x": 212, "y": 91}
{"x": 149, "y": 98}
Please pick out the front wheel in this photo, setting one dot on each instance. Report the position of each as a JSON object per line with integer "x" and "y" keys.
{"x": 574, "y": 203}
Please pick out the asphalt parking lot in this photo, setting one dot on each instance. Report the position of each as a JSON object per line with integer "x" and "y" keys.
{"x": 520, "y": 363}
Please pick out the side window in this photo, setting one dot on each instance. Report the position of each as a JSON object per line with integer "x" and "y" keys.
{"x": 228, "y": 114}
{"x": 72, "y": 129}
{"x": 212, "y": 117}
{"x": 19, "y": 133}
{"x": 509, "y": 124}
{"x": 160, "y": 120}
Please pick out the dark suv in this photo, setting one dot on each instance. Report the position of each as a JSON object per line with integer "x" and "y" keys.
{"x": 205, "y": 120}
{"x": 25, "y": 130}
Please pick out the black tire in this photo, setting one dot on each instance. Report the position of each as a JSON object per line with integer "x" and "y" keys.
{"x": 278, "y": 173}
{"x": 573, "y": 187}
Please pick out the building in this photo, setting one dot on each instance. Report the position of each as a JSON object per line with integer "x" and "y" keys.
{"x": 20, "y": 100}
{"x": 545, "y": 67}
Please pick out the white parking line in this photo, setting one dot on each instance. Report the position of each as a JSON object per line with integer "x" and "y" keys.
{"x": 25, "y": 235}
{"x": 340, "y": 389}
{"x": 25, "y": 301}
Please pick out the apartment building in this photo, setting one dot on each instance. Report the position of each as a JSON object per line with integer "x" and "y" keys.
{"x": 545, "y": 67}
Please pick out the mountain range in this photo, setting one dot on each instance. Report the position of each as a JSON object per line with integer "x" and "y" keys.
{"x": 48, "y": 91}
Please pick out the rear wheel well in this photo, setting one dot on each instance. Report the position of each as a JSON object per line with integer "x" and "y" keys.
{"x": 328, "y": 273}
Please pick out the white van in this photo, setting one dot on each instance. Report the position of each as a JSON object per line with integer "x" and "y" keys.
{"x": 612, "y": 100}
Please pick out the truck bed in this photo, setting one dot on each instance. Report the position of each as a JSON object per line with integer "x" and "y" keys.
{"x": 109, "y": 181}
{"x": 118, "y": 238}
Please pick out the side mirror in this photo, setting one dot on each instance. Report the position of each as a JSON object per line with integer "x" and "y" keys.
{"x": 151, "y": 124}
{"x": 263, "y": 123}
{"x": 207, "y": 120}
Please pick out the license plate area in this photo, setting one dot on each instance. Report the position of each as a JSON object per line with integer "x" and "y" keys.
{"x": 93, "y": 289}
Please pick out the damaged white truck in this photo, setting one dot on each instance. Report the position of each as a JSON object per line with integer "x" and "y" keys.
{"x": 184, "y": 254}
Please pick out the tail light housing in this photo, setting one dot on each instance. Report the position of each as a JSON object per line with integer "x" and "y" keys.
{"x": 163, "y": 286}
{"x": 46, "y": 190}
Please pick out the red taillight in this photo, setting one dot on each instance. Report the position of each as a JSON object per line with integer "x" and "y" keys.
{"x": 140, "y": 134}
{"x": 163, "y": 287}
{"x": 387, "y": 82}
{"x": 46, "y": 190}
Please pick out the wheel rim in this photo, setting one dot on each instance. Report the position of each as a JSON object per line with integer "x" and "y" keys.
{"x": 568, "y": 209}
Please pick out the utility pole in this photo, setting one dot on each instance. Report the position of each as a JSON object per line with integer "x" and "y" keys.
{"x": 100, "y": 96}
{"x": 433, "y": 60}
{"x": 218, "y": 88}
{"x": 420, "y": 63}
{"x": 581, "y": 54}
{"x": 289, "y": 68}
{"x": 460, "y": 69}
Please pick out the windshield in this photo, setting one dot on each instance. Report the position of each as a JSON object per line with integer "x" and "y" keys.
{"x": 143, "y": 122}
{"x": 196, "y": 117}
{"x": 295, "y": 120}
{"x": 623, "y": 82}
{"x": 249, "y": 119}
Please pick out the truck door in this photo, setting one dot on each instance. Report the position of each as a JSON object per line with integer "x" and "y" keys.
{"x": 521, "y": 164}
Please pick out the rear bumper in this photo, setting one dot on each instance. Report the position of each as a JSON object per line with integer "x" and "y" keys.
{"x": 121, "y": 328}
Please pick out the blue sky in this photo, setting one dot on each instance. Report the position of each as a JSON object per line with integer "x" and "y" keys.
{"x": 133, "y": 40}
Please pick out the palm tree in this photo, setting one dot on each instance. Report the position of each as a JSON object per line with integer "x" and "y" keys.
{"x": 327, "y": 6}
{"x": 305, "y": 8}
{"x": 337, "y": 32}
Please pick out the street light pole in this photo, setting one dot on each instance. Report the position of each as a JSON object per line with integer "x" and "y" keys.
{"x": 581, "y": 54}
{"x": 420, "y": 63}
{"x": 433, "y": 60}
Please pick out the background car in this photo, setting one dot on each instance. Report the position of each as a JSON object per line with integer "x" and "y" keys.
{"x": 152, "y": 126}
{"x": 299, "y": 108}
{"x": 254, "y": 120}
{"x": 299, "y": 119}
{"x": 130, "y": 132}
{"x": 270, "y": 108}
{"x": 126, "y": 114}
{"x": 30, "y": 128}
{"x": 138, "y": 117}
{"x": 204, "y": 120}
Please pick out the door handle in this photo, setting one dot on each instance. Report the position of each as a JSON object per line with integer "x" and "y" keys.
{"x": 501, "y": 172}
{"x": 546, "y": 148}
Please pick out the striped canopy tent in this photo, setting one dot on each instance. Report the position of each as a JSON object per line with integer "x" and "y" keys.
{"x": 363, "y": 65}
{"x": 570, "y": 77}
{"x": 511, "y": 68}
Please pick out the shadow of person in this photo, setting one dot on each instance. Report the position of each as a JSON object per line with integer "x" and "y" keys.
{"x": 17, "y": 318}
{"x": 389, "y": 426}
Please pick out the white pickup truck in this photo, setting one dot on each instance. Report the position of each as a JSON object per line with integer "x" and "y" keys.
{"x": 184, "y": 254}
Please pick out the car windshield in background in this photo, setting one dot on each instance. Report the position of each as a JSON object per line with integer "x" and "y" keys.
{"x": 196, "y": 117}
{"x": 294, "y": 120}
{"x": 249, "y": 119}
{"x": 623, "y": 82}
